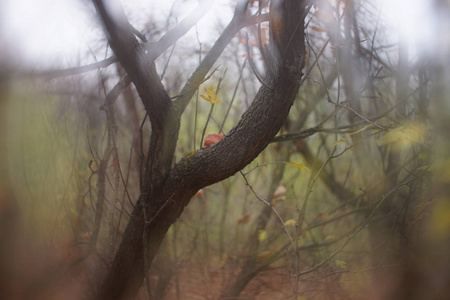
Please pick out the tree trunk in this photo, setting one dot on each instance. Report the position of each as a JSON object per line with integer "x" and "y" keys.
{"x": 164, "y": 191}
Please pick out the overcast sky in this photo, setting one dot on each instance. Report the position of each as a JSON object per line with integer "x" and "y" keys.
{"x": 56, "y": 31}
{"x": 45, "y": 32}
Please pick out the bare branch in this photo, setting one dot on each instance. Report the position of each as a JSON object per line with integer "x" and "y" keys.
{"x": 237, "y": 23}
{"x": 79, "y": 70}
{"x": 138, "y": 65}
{"x": 171, "y": 37}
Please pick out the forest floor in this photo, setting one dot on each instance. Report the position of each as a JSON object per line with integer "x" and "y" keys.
{"x": 196, "y": 283}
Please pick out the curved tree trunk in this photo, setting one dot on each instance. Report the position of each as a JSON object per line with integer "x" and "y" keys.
{"x": 165, "y": 191}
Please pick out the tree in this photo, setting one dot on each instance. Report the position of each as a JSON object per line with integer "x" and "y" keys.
{"x": 165, "y": 190}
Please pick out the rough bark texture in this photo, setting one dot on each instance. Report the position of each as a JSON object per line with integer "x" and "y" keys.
{"x": 165, "y": 191}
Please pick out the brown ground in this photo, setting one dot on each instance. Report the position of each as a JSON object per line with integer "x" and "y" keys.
{"x": 196, "y": 283}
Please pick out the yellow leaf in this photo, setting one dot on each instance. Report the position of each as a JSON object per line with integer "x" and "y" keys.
{"x": 93, "y": 165}
{"x": 290, "y": 222}
{"x": 390, "y": 137}
{"x": 301, "y": 298}
{"x": 262, "y": 235}
{"x": 340, "y": 141}
{"x": 362, "y": 129}
{"x": 407, "y": 135}
{"x": 300, "y": 166}
{"x": 341, "y": 264}
{"x": 191, "y": 153}
{"x": 210, "y": 95}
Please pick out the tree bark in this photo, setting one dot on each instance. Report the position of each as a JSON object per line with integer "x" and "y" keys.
{"x": 166, "y": 191}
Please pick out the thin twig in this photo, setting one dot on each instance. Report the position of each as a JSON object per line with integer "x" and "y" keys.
{"x": 233, "y": 97}
{"x": 252, "y": 64}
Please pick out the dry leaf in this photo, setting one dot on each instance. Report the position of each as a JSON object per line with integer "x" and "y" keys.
{"x": 329, "y": 237}
{"x": 318, "y": 29}
{"x": 213, "y": 138}
{"x": 244, "y": 220}
{"x": 300, "y": 166}
{"x": 85, "y": 236}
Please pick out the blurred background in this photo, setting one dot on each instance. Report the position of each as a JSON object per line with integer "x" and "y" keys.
{"x": 357, "y": 179}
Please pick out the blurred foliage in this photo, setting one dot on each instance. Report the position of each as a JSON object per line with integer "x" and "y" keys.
{"x": 345, "y": 205}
